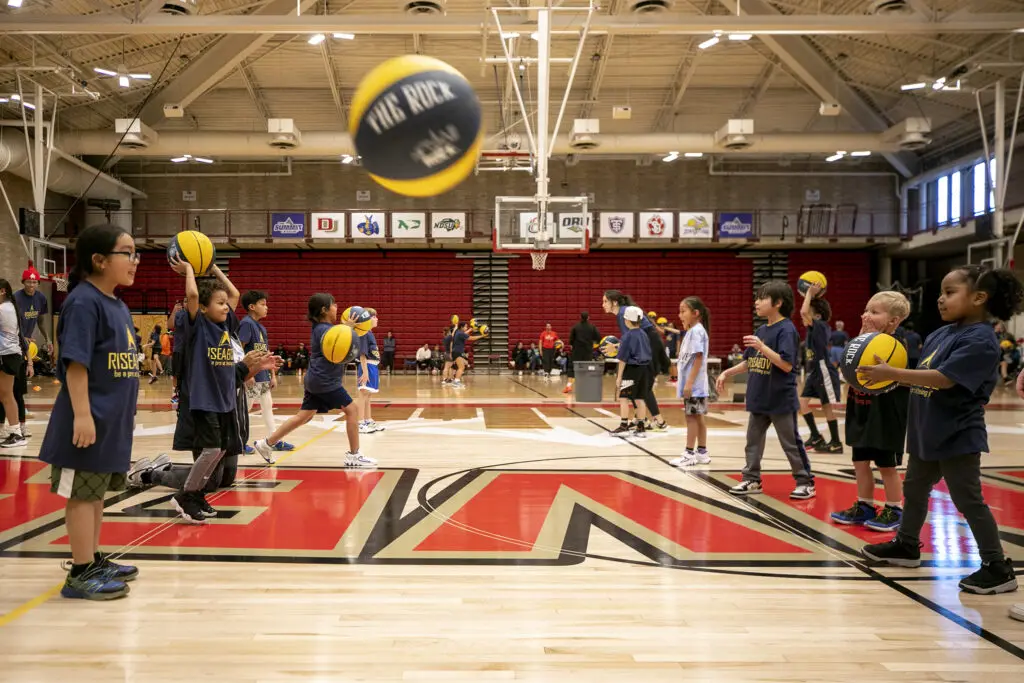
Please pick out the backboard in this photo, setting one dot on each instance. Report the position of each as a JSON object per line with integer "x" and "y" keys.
{"x": 519, "y": 228}
{"x": 49, "y": 258}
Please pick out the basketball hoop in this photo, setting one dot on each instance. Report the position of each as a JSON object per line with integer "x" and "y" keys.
{"x": 540, "y": 258}
{"x": 60, "y": 281}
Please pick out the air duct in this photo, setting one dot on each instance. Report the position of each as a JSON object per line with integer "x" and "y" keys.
{"x": 322, "y": 144}
{"x": 67, "y": 175}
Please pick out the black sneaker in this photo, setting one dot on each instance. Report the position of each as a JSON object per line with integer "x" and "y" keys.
{"x": 14, "y": 441}
{"x": 621, "y": 430}
{"x": 207, "y": 509}
{"x": 814, "y": 442}
{"x": 895, "y": 552}
{"x": 832, "y": 447}
{"x": 991, "y": 578}
{"x": 187, "y": 505}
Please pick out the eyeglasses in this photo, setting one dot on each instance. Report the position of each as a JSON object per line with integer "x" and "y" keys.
{"x": 133, "y": 256}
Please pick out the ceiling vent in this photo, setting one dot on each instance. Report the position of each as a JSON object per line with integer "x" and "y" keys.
{"x": 584, "y": 132}
{"x": 283, "y": 133}
{"x": 736, "y": 134}
{"x": 424, "y": 7}
{"x": 883, "y": 7}
{"x": 911, "y": 134}
{"x": 180, "y": 8}
{"x": 649, "y": 6}
{"x": 134, "y": 134}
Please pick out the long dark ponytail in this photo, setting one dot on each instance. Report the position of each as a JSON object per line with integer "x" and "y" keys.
{"x": 617, "y": 297}
{"x": 96, "y": 240}
{"x": 318, "y": 303}
{"x": 696, "y": 304}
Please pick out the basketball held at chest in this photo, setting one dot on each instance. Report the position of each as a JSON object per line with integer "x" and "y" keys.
{"x": 338, "y": 344}
{"x": 417, "y": 125}
{"x": 861, "y": 352}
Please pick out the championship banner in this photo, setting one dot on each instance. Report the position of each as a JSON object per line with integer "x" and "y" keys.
{"x": 616, "y": 225}
{"x": 657, "y": 225}
{"x": 327, "y": 226}
{"x": 408, "y": 226}
{"x": 369, "y": 225}
{"x": 700, "y": 226}
{"x": 447, "y": 225}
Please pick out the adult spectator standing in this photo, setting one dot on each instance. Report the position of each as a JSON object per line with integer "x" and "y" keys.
{"x": 547, "y": 347}
{"x": 837, "y": 340}
{"x": 582, "y": 338}
{"x": 32, "y": 307}
{"x": 388, "y": 347}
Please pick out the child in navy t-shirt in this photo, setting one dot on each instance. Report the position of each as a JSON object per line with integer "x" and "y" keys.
{"x": 772, "y": 361}
{"x": 946, "y": 432}
{"x": 88, "y": 439}
{"x": 323, "y": 389}
{"x": 635, "y": 375}
{"x": 253, "y": 336}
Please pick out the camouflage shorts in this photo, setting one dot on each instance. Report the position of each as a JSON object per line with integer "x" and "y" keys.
{"x": 82, "y": 485}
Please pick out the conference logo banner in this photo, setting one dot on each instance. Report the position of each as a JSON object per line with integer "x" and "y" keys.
{"x": 572, "y": 225}
{"x": 367, "y": 225}
{"x": 288, "y": 225}
{"x": 529, "y": 225}
{"x": 408, "y": 226}
{"x": 327, "y": 226}
{"x": 448, "y": 225}
{"x": 700, "y": 226}
{"x": 657, "y": 225}
{"x": 616, "y": 225}
{"x": 735, "y": 226}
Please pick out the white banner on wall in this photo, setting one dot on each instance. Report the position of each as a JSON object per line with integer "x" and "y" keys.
{"x": 408, "y": 226}
{"x": 572, "y": 225}
{"x": 658, "y": 225}
{"x": 368, "y": 225}
{"x": 529, "y": 225}
{"x": 696, "y": 225}
{"x": 616, "y": 225}
{"x": 447, "y": 225}
{"x": 328, "y": 226}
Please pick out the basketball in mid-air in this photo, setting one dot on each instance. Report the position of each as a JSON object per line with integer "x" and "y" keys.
{"x": 417, "y": 125}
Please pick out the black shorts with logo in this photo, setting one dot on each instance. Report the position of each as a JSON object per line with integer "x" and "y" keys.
{"x": 636, "y": 382}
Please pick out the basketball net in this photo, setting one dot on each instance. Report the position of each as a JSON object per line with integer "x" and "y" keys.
{"x": 539, "y": 255}
{"x": 60, "y": 282}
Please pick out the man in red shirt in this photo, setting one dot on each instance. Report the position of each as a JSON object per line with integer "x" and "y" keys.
{"x": 547, "y": 347}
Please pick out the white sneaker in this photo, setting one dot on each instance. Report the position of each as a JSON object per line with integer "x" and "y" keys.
{"x": 265, "y": 450}
{"x": 690, "y": 460}
{"x": 359, "y": 460}
{"x": 135, "y": 473}
{"x": 803, "y": 492}
{"x": 365, "y": 428}
{"x": 746, "y": 487}
{"x": 377, "y": 427}
{"x": 1017, "y": 612}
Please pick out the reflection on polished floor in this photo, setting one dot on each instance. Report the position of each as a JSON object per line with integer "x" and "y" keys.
{"x": 505, "y": 536}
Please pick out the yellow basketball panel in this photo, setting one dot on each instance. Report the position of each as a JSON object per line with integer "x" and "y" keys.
{"x": 336, "y": 343}
{"x": 889, "y": 350}
{"x": 363, "y": 327}
{"x": 386, "y": 74}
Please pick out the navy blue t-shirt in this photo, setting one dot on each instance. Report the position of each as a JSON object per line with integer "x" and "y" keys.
{"x": 770, "y": 390}
{"x": 368, "y": 348}
{"x": 95, "y": 330}
{"x": 253, "y": 336}
{"x": 180, "y": 321}
{"x": 323, "y": 376}
{"x": 29, "y": 310}
{"x": 446, "y": 344}
{"x": 645, "y": 322}
{"x": 839, "y": 338}
{"x": 945, "y": 423}
{"x": 635, "y": 347}
{"x": 817, "y": 347}
{"x": 211, "y": 360}
{"x": 459, "y": 340}
{"x": 913, "y": 342}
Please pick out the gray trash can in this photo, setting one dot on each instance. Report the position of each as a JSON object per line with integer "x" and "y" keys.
{"x": 587, "y": 386}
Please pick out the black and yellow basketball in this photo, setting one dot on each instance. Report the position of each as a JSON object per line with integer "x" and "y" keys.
{"x": 1006, "y": 345}
{"x": 473, "y": 324}
{"x": 811, "y": 277}
{"x": 338, "y": 344}
{"x": 483, "y": 330}
{"x": 612, "y": 350}
{"x": 194, "y": 247}
{"x": 861, "y": 352}
{"x": 417, "y": 125}
{"x": 33, "y": 351}
{"x": 454, "y": 319}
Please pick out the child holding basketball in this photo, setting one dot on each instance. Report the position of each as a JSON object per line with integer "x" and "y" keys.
{"x": 946, "y": 432}
{"x": 460, "y": 357}
{"x": 368, "y": 377}
{"x": 253, "y": 336}
{"x": 876, "y": 429}
{"x": 323, "y": 389}
{"x": 634, "y": 377}
{"x": 771, "y": 360}
{"x": 692, "y": 385}
{"x": 822, "y": 380}
{"x": 88, "y": 440}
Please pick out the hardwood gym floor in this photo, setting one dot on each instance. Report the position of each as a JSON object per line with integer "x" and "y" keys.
{"x": 506, "y": 536}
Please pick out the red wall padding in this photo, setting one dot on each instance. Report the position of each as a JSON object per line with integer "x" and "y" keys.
{"x": 849, "y": 283}
{"x": 657, "y": 281}
{"x": 413, "y": 292}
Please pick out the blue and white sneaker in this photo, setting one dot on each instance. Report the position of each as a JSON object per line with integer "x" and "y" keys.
{"x": 283, "y": 446}
{"x": 888, "y": 520}
{"x": 95, "y": 583}
{"x": 857, "y": 514}
{"x": 249, "y": 450}
{"x": 119, "y": 572}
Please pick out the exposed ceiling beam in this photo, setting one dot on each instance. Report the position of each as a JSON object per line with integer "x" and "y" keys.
{"x": 275, "y": 17}
{"x": 332, "y": 81}
{"x": 216, "y": 62}
{"x": 680, "y": 83}
{"x": 254, "y": 91}
{"x": 761, "y": 85}
{"x": 811, "y": 69}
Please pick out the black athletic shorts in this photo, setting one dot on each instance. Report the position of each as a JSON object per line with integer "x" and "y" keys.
{"x": 325, "y": 403}
{"x": 636, "y": 380}
{"x": 177, "y": 364}
{"x": 825, "y": 388}
{"x": 878, "y": 456}
{"x": 12, "y": 364}
{"x": 213, "y": 430}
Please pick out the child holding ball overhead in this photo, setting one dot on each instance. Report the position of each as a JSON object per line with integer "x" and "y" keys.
{"x": 876, "y": 429}
{"x": 822, "y": 380}
{"x": 946, "y": 427}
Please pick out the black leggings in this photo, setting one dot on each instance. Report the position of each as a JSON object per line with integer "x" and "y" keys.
{"x": 20, "y": 389}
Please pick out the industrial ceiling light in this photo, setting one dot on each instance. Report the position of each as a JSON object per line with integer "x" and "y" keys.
{"x": 713, "y": 40}
{"x": 124, "y": 79}
{"x": 913, "y": 86}
{"x": 188, "y": 157}
{"x": 693, "y": 155}
{"x": 344, "y": 36}
{"x": 672, "y": 156}
{"x": 316, "y": 39}
{"x": 862, "y": 153}
{"x": 740, "y": 36}
{"x": 835, "y": 157}
{"x": 14, "y": 3}
{"x": 346, "y": 158}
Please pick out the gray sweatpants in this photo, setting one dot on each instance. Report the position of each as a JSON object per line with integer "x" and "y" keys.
{"x": 789, "y": 438}
{"x": 963, "y": 479}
